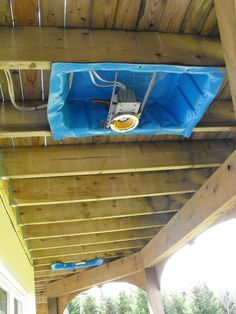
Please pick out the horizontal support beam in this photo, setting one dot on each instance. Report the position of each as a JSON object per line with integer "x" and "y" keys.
{"x": 14, "y": 123}
{"x": 120, "y": 268}
{"x": 112, "y": 254}
{"x": 37, "y": 48}
{"x": 94, "y": 227}
{"x": 43, "y": 191}
{"x": 70, "y": 241}
{"x": 28, "y": 162}
{"x": 31, "y": 215}
{"x": 213, "y": 200}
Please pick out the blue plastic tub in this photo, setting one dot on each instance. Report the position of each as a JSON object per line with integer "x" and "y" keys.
{"x": 178, "y": 100}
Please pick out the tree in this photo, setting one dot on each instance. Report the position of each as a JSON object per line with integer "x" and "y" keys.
{"x": 74, "y": 306}
{"x": 89, "y": 305}
{"x": 228, "y": 303}
{"x": 108, "y": 306}
{"x": 124, "y": 303}
{"x": 203, "y": 301}
{"x": 174, "y": 303}
{"x": 141, "y": 302}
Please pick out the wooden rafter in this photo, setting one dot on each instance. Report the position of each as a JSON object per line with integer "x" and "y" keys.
{"x": 214, "y": 199}
{"x": 36, "y": 48}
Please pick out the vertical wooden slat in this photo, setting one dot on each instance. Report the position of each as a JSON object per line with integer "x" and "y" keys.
{"x": 78, "y": 13}
{"x": 226, "y": 16}
{"x": 196, "y": 16}
{"x": 210, "y": 28}
{"x": 5, "y": 13}
{"x": 173, "y": 15}
{"x": 150, "y": 15}
{"x": 127, "y": 14}
{"x": 52, "y": 12}
{"x": 103, "y": 13}
{"x": 25, "y": 12}
{"x": 31, "y": 81}
{"x": 3, "y": 83}
{"x": 16, "y": 84}
{"x": 46, "y": 83}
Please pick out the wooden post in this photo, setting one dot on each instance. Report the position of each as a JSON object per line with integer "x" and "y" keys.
{"x": 152, "y": 282}
{"x": 42, "y": 308}
{"x": 226, "y": 16}
{"x": 52, "y": 306}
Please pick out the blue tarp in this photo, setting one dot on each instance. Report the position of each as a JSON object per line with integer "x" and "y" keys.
{"x": 178, "y": 100}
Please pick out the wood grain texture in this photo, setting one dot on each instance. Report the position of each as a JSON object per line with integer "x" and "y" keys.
{"x": 74, "y": 45}
{"x": 127, "y": 14}
{"x": 112, "y": 158}
{"x": 5, "y": 13}
{"x": 196, "y": 16}
{"x": 25, "y": 12}
{"x": 31, "y": 81}
{"x": 151, "y": 14}
{"x": 103, "y": 13}
{"x": 52, "y": 12}
{"x": 210, "y": 28}
{"x": 78, "y": 13}
{"x": 95, "y": 227}
{"x": 27, "y": 192}
{"x": 217, "y": 196}
{"x": 96, "y": 238}
{"x": 226, "y": 16}
{"x": 100, "y": 210}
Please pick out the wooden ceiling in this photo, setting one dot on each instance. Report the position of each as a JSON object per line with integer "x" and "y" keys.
{"x": 74, "y": 200}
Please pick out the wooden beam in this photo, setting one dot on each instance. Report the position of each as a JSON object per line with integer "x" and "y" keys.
{"x": 118, "y": 269}
{"x": 112, "y": 254}
{"x": 28, "y": 162}
{"x": 70, "y": 241}
{"x": 31, "y": 215}
{"x": 94, "y": 227}
{"x": 27, "y": 192}
{"x": 37, "y": 48}
{"x": 215, "y": 198}
{"x": 93, "y": 248}
{"x": 226, "y": 17}
{"x": 14, "y": 123}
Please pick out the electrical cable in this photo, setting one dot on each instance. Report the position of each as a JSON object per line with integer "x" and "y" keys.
{"x": 12, "y": 95}
{"x": 92, "y": 73}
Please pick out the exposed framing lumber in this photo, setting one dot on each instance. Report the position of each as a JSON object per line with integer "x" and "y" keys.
{"x": 94, "y": 227}
{"x": 31, "y": 215}
{"x": 28, "y": 162}
{"x": 14, "y": 123}
{"x": 226, "y": 16}
{"x": 214, "y": 199}
{"x": 36, "y": 48}
{"x": 73, "y": 189}
{"x": 70, "y": 241}
{"x": 116, "y": 270}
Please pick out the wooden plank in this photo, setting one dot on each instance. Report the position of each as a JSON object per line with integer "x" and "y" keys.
{"x": 100, "y": 210}
{"x": 196, "y": 16}
{"x": 103, "y": 13}
{"x": 26, "y": 192}
{"x": 25, "y": 12}
{"x": 217, "y": 196}
{"x": 78, "y": 13}
{"x": 113, "y": 158}
{"x": 52, "y": 12}
{"x": 127, "y": 14}
{"x": 5, "y": 13}
{"x": 130, "y": 264}
{"x": 67, "y": 241}
{"x": 173, "y": 15}
{"x": 226, "y": 16}
{"x": 31, "y": 81}
{"x": 23, "y": 46}
{"x": 210, "y": 27}
{"x": 93, "y": 248}
{"x": 94, "y": 227}
{"x": 80, "y": 257}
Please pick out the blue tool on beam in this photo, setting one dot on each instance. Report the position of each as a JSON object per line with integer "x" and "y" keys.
{"x": 76, "y": 265}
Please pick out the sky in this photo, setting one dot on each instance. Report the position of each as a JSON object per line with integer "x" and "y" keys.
{"x": 211, "y": 258}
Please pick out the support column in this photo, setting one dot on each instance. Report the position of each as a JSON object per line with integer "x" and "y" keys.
{"x": 42, "y": 308}
{"x": 153, "y": 290}
{"x": 52, "y": 306}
